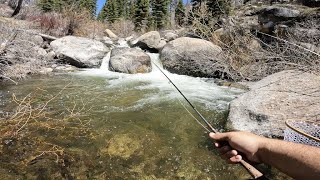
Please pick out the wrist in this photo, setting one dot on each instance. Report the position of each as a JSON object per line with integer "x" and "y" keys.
{"x": 263, "y": 149}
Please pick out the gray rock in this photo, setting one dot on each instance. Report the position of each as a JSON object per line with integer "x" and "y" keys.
{"x": 80, "y": 52}
{"x": 40, "y": 51}
{"x": 130, "y": 61}
{"x": 275, "y": 99}
{"x": 150, "y": 41}
{"x": 50, "y": 56}
{"x": 194, "y": 57}
{"x": 277, "y": 14}
{"x": 38, "y": 40}
{"x": 170, "y": 36}
{"x": 106, "y": 40}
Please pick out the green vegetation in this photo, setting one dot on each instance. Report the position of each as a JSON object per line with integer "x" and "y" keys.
{"x": 180, "y": 13}
{"x": 160, "y": 13}
{"x": 60, "y": 5}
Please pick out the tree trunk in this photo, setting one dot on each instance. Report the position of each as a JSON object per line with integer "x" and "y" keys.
{"x": 17, "y": 9}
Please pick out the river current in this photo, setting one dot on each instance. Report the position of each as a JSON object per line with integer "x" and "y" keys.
{"x": 107, "y": 125}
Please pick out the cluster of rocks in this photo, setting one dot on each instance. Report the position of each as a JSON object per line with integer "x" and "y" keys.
{"x": 263, "y": 109}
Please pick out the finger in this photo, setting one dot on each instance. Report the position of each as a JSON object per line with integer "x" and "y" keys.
{"x": 220, "y": 136}
{"x": 230, "y": 154}
{"x": 234, "y": 159}
{"x": 224, "y": 149}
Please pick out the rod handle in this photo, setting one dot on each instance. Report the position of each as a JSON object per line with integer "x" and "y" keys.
{"x": 255, "y": 173}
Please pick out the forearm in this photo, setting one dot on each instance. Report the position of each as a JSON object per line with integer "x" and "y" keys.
{"x": 297, "y": 160}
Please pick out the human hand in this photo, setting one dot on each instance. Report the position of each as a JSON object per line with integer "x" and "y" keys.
{"x": 240, "y": 143}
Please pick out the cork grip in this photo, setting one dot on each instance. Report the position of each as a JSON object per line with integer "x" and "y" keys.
{"x": 252, "y": 170}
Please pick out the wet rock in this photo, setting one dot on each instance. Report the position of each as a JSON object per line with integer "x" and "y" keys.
{"x": 275, "y": 99}
{"x": 130, "y": 61}
{"x": 150, "y": 41}
{"x": 194, "y": 57}
{"x": 80, "y": 52}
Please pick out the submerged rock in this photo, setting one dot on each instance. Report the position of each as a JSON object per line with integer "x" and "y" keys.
{"x": 123, "y": 145}
{"x": 194, "y": 57}
{"x": 80, "y": 52}
{"x": 275, "y": 99}
{"x": 130, "y": 61}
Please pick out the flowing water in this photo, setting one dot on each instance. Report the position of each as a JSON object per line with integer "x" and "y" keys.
{"x": 107, "y": 125}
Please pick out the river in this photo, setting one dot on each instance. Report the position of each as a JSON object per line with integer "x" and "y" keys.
{"x": 106, "y": 125}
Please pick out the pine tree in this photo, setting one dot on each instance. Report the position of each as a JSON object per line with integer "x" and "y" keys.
{"x": 141, "y": 14}
{"x": 218, "y": 7}
{"x": 59, "y": 5}
{"x": 110, "y": 11}
{"x": 160, "y": 13}
{"x": 180, "y": 13}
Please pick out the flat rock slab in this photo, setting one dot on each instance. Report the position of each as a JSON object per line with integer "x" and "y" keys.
{"x": 273, "y": 100}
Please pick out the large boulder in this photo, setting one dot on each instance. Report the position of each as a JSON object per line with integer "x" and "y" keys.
{"x": 80, "y": 52}
{"x": 194, "y": 57}
{"x": 275, "y": 99}
{"x": 277, "y": 14}
{"x": 130, "y": 61}
{"x": 150, "y": 41}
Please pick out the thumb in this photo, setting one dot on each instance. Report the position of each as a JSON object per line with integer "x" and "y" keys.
{"x": 219, "y": 136}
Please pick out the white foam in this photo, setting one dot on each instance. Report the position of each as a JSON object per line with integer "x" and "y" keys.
{"x": 198, "y": 90}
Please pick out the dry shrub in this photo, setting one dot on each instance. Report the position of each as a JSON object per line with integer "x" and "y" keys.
{"x": 201, "y": 24}
{"x": 123, "y": 27}
{"x": 253, "y": 59}
{"x": 33, "y": 134}
{"x": 51, "y": 23}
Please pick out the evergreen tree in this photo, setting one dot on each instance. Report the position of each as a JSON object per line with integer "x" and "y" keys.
{"x": 110, "y": 11}
{"x": 59, "y": 5}
{"x": 216, "y": 7}
{"x": 141, "y": 14}
{"x": 180, "y": 13}
{"x": 160, "y": 13}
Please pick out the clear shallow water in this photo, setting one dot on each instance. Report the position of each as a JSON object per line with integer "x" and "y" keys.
{"x": 107, "y": 125}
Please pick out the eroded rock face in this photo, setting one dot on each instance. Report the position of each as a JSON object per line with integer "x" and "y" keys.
{"x": 130, "y": 61}
{"x": 194, "y": 57}
{"x": 275, "y": 99}
{"x": 80, "y": 52}
{"x": 150, "y": 41}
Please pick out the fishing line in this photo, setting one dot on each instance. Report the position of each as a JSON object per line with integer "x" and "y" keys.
{"x": 193, "y": 116}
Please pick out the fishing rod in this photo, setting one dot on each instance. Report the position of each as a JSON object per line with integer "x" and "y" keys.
{"x": 252, "y": 170}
